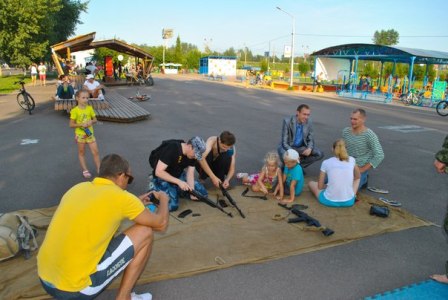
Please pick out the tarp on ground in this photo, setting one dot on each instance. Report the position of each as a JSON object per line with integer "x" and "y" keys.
{"x": 214, "y": 241}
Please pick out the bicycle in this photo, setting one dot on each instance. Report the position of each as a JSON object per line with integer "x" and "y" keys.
{"x": 412, "y": 97}
{"x": 24, "y": 99}
{"x": 140, "y": 80}
{"x": 442, "y": 108}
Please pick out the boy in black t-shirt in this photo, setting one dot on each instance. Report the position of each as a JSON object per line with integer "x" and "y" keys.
{"x": 173, "y": 168}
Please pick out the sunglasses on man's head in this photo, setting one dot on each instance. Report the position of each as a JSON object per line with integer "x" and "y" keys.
{"x": 130, "y": 178}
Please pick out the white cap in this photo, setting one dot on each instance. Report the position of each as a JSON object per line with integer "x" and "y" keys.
{"x": 291, "y": 155}
{"x": 90, "y": 76}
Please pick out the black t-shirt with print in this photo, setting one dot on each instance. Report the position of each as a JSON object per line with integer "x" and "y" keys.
{"x": 172, "y": 156}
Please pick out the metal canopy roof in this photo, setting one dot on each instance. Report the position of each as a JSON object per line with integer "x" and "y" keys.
{"x": 384, "y": 53}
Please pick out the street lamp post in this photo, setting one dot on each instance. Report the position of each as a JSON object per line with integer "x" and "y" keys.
{"x": 292, "y": 44}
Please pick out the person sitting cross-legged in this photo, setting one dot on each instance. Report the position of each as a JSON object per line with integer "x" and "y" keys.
{"x": 342, "y": 176}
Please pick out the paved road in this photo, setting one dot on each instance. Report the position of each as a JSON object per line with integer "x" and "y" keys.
{"x": 37, "y": 174}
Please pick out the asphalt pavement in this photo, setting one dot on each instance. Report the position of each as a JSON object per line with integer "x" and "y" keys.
{"x": 38, "y": 159}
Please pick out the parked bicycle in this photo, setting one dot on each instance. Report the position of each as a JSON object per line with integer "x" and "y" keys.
{"x": 442, "y": 108}
{"x": 412, "y": 97}
{"x": 24, "y": 98}
{"x": 140, "y": 80}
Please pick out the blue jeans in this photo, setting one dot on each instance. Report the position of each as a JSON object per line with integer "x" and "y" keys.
{"x": 173, "y": 191}
{"x": 363, "y": 180}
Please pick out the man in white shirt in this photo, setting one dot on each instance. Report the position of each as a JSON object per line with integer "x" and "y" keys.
{"x": 93, "y": 87}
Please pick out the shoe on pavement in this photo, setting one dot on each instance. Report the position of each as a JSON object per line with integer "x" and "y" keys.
{"x": 145, "y": 296}
{"x": 390, "y": 202}
{"x": 377, "y": 190}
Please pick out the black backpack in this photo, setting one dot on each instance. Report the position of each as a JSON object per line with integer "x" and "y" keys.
{"x": 155, "y": 154}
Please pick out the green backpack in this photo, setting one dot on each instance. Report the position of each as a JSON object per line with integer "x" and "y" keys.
{"x": 16, "y": 235}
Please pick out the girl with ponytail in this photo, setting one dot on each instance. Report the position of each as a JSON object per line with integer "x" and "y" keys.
{"x": 338, "y": 179}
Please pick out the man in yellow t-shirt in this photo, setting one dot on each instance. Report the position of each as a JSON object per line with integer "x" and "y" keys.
{"x": 80, "y": 255}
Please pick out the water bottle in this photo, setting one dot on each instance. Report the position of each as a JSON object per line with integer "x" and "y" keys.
{"x": 87, "y": 131}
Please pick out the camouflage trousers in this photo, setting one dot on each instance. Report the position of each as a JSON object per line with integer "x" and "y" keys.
{"x": 173, "y": 191}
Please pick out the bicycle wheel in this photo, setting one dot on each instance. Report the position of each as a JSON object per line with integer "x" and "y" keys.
{"x": 442, "y": 108}
{"x": 406, "y": 99}
{"x": 25, "y": 101}
{"x": 149, "y": 81}
{"x": 416, "y": 100}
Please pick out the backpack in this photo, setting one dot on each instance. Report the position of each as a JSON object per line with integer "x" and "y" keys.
{"x": 155, "y": 154}
{"x": 16, "y": 234}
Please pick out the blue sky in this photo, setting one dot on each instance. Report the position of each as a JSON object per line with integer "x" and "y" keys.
{"x": 256, "y": 24}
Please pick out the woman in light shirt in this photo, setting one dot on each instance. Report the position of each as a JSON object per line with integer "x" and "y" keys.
{"x": 338, "y": 179}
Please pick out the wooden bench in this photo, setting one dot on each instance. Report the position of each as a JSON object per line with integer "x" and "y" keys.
{"x": 121, "y": 110}
{"x": 68, "y": 104}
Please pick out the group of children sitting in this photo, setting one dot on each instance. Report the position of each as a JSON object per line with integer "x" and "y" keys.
{"x": 336, "y": 187}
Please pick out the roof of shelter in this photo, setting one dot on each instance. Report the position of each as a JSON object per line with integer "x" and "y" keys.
{"x": 218, "y": 57}
{"x": 85, "y": 42}
{"x": 384, "y": 53}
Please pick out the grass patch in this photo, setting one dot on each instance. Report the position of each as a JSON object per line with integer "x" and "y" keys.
{"x": 7, "y": 83}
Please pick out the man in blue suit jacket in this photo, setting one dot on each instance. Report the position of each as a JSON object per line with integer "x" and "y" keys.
{"x": 297, "y": 134}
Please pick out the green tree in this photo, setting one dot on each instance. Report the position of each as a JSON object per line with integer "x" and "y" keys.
{"x": 178, "y": 55}
{"x": 21, "y": 24}
{"x": 28, "y": 27}
{"x": 192, "y": 59}
{"x": 65, "y": 20}
{"x": 304, "y": 68}
{"x": 230, "y": 52}
{"x": 264, "y": 66}
{"x": 386, "y": 37}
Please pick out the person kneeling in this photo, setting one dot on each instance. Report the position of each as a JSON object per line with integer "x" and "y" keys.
{"x": 81, "y": 255}
{"x": 342, "y": 175}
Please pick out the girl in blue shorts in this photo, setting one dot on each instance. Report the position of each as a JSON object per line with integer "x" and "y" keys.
{"x": 342, "y": 175}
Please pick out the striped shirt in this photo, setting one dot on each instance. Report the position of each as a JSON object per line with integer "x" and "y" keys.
{"x": 364, "y": 147}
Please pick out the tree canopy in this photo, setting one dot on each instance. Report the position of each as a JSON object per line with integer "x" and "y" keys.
{"x": 29, "y": 27}
{"x": 386, "y": 37}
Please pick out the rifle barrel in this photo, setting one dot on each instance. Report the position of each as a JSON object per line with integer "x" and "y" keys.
{"x": 227, "y": 195}
{"x": 206, "y": 200}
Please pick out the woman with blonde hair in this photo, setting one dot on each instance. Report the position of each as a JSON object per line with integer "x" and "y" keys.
{"x": 338, "y": 179}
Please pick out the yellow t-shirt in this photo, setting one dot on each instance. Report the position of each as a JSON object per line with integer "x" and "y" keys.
{"x": 83, "y": 225}
{"x": 82, "y": 115}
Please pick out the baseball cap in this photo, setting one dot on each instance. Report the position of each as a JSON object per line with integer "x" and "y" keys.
{"x": 292, "y": 155}
{"x": 198, "y": 146}
{"x": 90, "y": 76}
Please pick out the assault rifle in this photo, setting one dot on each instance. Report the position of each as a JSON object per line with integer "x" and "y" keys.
{"x": 227, "y": 195}
{"x": 206, "y": 200}
{"x": 244, "y": 194}
{"x": 310, "y": 221}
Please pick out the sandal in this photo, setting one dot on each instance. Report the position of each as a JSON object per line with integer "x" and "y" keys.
{"x": 86, "y": 174}
{"x": 377, "y": 190}
{"x": 390, "y": 202}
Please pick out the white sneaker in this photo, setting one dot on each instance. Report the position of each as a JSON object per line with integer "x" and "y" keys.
{"x": 101, "y": 97}
{"x": 241, "y": 175}
{"x": 145, "y": 296}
